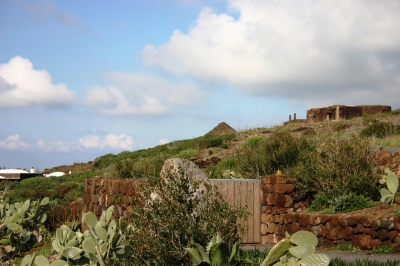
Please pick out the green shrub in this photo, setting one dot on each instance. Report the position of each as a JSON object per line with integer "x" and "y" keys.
{"x": 349, "y": 202}
{"x": 395, "y": 112}
{"x": 142, "y": 168}
{"x": 215, "y": 171}
{"x": 338, "y": 165}
{"x": 187, "y": 154}
{"x": 224, "y": 146}
{"x": 171, "y": 221}
{"x": 380, "y": 130}
{"x": 262, "y": 156}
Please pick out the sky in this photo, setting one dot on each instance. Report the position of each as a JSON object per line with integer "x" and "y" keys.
{"x": 81, "y": 79}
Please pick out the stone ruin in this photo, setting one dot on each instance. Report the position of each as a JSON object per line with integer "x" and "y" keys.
{"x": 339, "y": 112}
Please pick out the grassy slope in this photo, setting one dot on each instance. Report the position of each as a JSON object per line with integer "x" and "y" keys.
{"x": 202, "y": 147}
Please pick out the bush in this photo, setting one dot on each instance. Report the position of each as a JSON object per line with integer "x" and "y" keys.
{"x": 345, "y": 203}
{"x": 338, "y": 165}
{"x": 262, "y": 156}
{"x": 187, "y": 154}
{"x": 380, "y": 130}
{"x": 215, "y": 171}
{"x": 142, "y": 168}
{"x": 173, "y": 219}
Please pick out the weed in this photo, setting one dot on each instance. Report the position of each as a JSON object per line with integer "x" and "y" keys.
{"x": 381, "y": 250}
{"x": 345, "y": 246}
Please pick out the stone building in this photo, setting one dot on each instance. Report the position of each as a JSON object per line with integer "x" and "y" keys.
{"x": 339, "y": 112}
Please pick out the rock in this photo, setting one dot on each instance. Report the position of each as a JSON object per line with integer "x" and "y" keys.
{"x": 182, "y": 170}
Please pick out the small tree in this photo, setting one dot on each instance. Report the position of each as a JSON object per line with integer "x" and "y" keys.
{"x": 172, "y": 218}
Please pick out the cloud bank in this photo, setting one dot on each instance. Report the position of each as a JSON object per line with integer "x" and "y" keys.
{"x": 13, "y": 142}
{"x": 342, "y": 50}
{"x": 122, "y": 141}
{"x": 23, "y": 86}
{"x": 135, "y": 93}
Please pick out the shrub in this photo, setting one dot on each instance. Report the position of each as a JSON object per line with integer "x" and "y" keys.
{"x": 344, "y": 203}
{"x": 142, "y": 168}
{"x": 215, "y": 171}
{"x": 171, "y": 221}
{"x": 380, "y": 130}
{"x": 224, "y": 146}
{"x": 336, "y": 166}
{"x": 187, "y": 154}
{"x": 263, "y": 156}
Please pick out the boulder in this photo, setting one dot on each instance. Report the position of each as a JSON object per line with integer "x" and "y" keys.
{"x": 182, "y": 170}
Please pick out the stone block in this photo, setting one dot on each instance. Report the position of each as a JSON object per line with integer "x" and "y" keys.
{"x": 283, "y": 188}
{"x": 345, "y": 234}
{"x": 396, "y": 222}
{"x": 361, "y": 241}
{"x": 279, "y": 200}
{"x": 343, "y": 220}
{"x": 264, "y": 218}
{"x": 325, "y": 219}
{"x": 375, "y": 243}
{"x": 393, "y": 234}
{"x": 291, "y": 217}
{"x": 387, "y": 223}
{"x": 273, "y": 179}
{"x": 366, "y": 221}
{"x": 304, "y": 218}
{"x": 359, "y": 229}
{"x": 354, "y": 220}
{"x": 376, "y": 224}
{"x": 267, "y": 188}
{"x": 264, "y": 229}
{"x": 270, "y": 228}
{"x": 334, "y": 220}
{"x": 371, "y": 232}
{"x": 267, "y": 239}
{"x": 383, "y": 234}
{"x": 278, "y": 230}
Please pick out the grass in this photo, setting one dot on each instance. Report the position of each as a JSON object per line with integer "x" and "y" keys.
{"x": 345, "y": 247}
{"x": 381, "y": 250}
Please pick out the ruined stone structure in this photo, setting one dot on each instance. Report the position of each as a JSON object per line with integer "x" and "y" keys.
{"x": 339, "y": 112}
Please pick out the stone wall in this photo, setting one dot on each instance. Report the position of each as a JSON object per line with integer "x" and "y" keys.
{"x": 337, "y": 112}
{"x": 100, "y": 193}
{"x": 281, "y": 214}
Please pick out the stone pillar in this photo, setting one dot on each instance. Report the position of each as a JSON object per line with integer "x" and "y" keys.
{"x": 290, "y": 117}
{"x": 294, "y": 116}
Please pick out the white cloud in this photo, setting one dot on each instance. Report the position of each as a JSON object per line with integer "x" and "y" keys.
{"x": 60, "y": 146}
{"x": 21, "y": 85}
{"x": 163, "y": 141}
{"x": 132, "y": 93}
{"x": 295, "y": 49}
{"x": 122, "y": 141}
{"x": 13, "y": 142}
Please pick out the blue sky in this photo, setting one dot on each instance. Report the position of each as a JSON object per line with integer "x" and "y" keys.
{"x": 80, "y": 79}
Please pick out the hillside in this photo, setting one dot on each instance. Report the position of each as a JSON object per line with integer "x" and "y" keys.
{"x": 223, "y": 141}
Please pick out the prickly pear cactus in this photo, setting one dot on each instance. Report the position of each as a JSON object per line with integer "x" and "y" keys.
{"x": 296, "y": 249}
{"x": 217, "y": 253}
{"x": 392, "y": 181}
{"x": 20, "y": 223}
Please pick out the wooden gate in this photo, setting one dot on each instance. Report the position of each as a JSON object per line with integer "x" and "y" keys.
{"x": 244, "y": 193}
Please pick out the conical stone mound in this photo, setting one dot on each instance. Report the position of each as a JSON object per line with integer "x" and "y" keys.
{"x": 221, "y": 129}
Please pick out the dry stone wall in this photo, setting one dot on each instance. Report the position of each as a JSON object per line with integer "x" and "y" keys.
{"x": 100, "y": 193}
{"x": 281, "y": 214}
